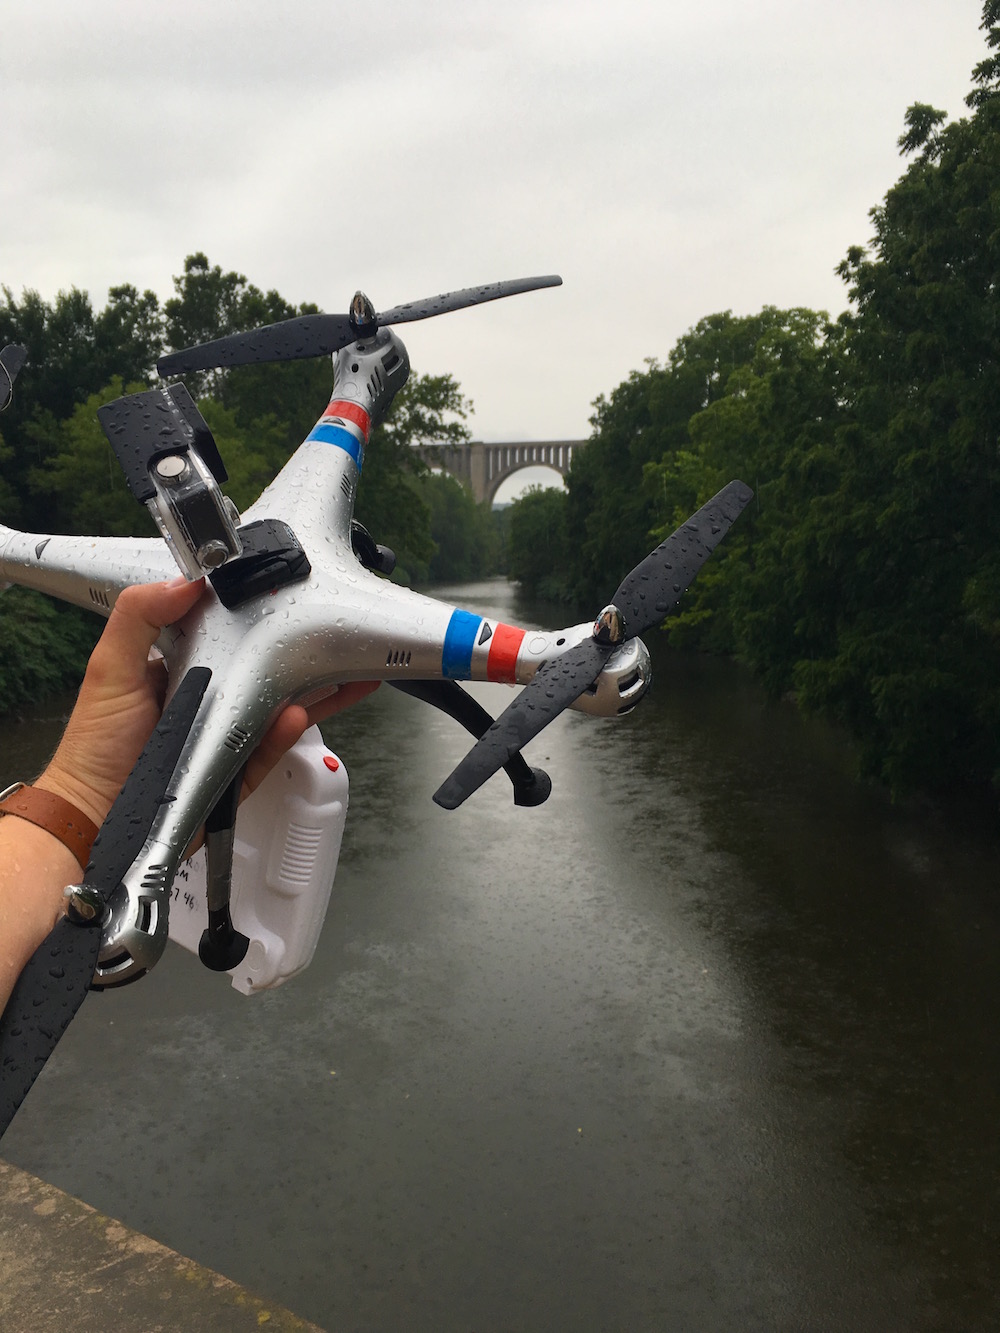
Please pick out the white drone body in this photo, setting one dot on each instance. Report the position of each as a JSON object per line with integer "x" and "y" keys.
{"x": 328, "y": 620}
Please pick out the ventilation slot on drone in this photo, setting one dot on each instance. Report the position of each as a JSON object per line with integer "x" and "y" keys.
{"x": 398, "y": 658}
{"x": 144, "y": 916}
{"x": 115, "y": 963}
{"x": 391, "y": 360}
{"x": 346, "y": 485}
{"x": 155, "y": 879}
{"x": 100, "y": 598}
{"x": 236, "y": 739}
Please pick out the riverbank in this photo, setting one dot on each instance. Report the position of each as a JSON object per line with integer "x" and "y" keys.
{"x": 64, "y": 1265}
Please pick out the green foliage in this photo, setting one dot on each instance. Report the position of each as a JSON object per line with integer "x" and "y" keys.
{"x": 79, "y": 479}
{"x": 72, "y": 354}
{"x": 44, "y": 646}
{"x": 540, "y": 554}
{"x": 209, "y": 303}
{"x": 252, "y": 455}
{"x": 987, "y": 73}
{"x": 914, "y": 670}
{"x": 466, "y": 539}
{"x": 428, "y": 409}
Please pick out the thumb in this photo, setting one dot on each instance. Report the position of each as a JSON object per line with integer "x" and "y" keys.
{"x": 140, "y": 613}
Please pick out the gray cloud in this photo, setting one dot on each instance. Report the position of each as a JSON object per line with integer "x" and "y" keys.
{"x": 668, "y": 160}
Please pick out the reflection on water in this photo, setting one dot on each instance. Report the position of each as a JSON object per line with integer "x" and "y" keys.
{"x": 705, "y": 1042}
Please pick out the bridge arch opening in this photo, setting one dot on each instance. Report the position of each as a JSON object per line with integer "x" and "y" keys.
{"x": 523, "y": 479}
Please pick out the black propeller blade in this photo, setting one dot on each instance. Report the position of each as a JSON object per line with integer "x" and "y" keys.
{"x": 289, "y": 340}
{"x": 442, "y": 305}
{"x": 531, "y": 785}
{"x": 642, "y": 600}
{"x": 320, "y": 335}
{"x": 12, "y": 358}
{"x": 57, "y": 977}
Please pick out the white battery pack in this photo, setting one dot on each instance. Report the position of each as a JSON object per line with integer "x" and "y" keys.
{"x": 287, "y": 844}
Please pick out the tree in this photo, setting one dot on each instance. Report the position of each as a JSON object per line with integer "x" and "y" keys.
{"x": 772, "y": 424}
{"x": 539, "y": 547}
{"x": 210, "y": 303}
{"x": 464, "y": 534}
{"x": 915, "y": 668}
{"x": 428, "y": 409}
{"x": 44, "y": 646}
{"x": 79, "y": 479}
{"x": 72, "y": 354}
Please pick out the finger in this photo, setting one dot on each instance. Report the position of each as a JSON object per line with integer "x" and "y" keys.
{"x": 351, "y": 692}
{"x": 290, "y": 724}
{"x": 280, "y": 736}
{"x": 119, "y": 661}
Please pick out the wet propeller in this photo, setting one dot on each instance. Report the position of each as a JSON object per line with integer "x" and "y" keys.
{"x": 320, "y": 335}
{"x": 641, "y": 602}
{"x": 12, "y": 358}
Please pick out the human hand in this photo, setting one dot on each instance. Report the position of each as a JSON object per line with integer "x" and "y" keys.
{"x": 122, "y": 695}
{"x": 119, "y": 704}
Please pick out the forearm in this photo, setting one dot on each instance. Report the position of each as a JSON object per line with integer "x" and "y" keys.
{"x": 35, "y": 868}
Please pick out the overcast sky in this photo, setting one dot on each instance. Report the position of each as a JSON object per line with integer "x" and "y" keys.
{"x": 668, "y": 159}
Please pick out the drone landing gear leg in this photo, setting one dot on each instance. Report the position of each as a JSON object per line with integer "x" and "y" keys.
{"x": 531, "y": 785}
{"x": 222, "y": 946}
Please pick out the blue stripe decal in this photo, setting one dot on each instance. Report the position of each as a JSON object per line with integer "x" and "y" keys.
{"x": 459, "y": 641}
{"x": 327, "y": 433}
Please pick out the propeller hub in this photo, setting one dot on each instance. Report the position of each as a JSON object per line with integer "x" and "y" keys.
{"x": 362, "y": 316}
{"x": 85, "y": 905}
{"x": 609, "y": 627}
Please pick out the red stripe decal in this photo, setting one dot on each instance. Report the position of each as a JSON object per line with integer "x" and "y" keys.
{"x": 352, "y": 412}
{"x": 504, "y": 647}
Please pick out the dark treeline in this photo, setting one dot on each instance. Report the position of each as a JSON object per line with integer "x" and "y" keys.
{"x": 59, "y": 474}
{"x": 865, "y": 576}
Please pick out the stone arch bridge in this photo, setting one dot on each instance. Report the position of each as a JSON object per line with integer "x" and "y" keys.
{"x": 482, "y": 467}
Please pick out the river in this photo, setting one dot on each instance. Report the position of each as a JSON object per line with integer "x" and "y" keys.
{"x": 706, "y": 1042}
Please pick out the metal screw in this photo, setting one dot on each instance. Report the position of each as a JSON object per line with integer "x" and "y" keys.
{"x": 172, "y": 467}
{"x": 84, "y": 905}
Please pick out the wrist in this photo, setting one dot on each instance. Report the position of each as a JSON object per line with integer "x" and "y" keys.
{"x": 53, "y": 815}
{"x": 89, "y": 801}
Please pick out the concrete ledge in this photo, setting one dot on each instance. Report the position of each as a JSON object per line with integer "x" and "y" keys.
{"x": 63, "y": 1265}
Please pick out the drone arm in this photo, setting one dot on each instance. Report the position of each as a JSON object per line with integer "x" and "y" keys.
{"x": 87, "y": 571}
{"x": 214, "y": 750}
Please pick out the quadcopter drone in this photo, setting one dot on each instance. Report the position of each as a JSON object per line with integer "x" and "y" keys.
{"x": 297, "y": 601}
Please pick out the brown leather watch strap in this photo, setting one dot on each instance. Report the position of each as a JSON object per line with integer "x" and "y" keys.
{"x": 50, "y": 812}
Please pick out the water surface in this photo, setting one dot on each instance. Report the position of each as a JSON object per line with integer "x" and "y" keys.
{"x": 707, "y": 1041}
